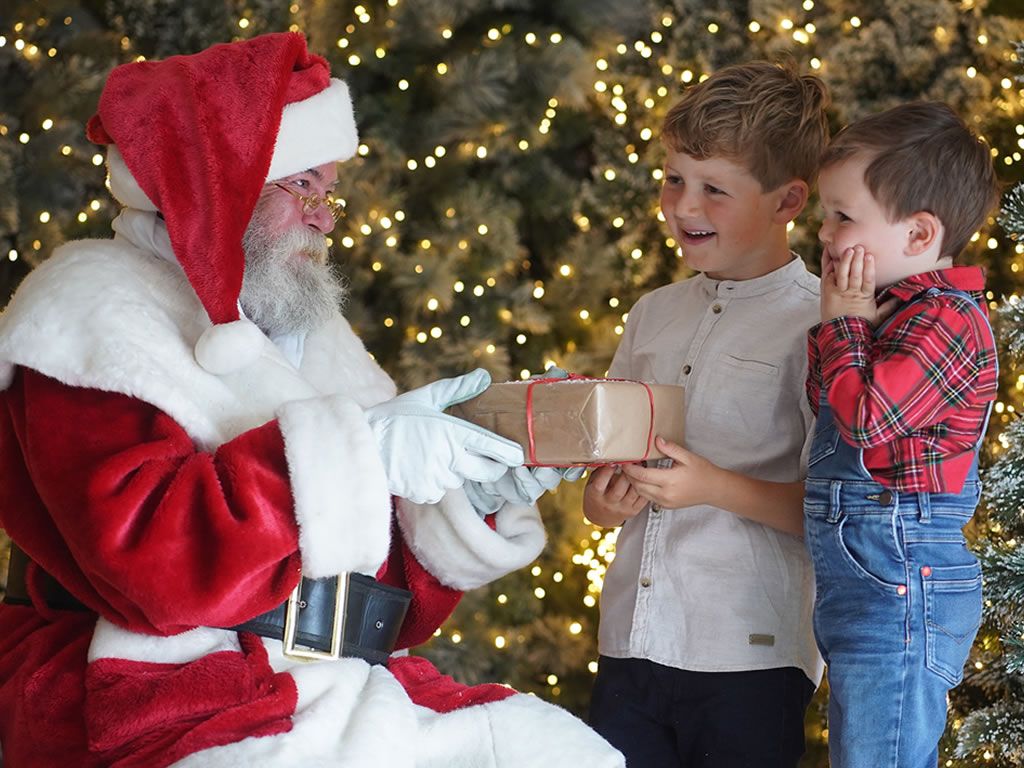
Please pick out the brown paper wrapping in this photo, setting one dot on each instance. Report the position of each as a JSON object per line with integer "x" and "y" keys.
{"x": 580, "y": 421}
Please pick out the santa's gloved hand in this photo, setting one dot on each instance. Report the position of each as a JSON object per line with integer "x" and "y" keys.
{"x": 519, "y": 485}
{"x": 427, "y": 452}
{"x": 554, "y": 372}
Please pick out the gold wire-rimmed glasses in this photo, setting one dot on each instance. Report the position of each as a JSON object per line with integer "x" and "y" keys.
{"x": 312, "y": 203}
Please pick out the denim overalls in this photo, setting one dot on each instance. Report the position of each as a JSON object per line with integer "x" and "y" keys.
{"x": 898, "y": 601}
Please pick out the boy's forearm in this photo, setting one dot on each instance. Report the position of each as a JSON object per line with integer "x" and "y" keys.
{"x": 777, "y": 505}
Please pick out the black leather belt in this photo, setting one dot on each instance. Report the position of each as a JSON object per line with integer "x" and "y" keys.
{"x": 351, "y": 615}
{"x": 347, "y": 615}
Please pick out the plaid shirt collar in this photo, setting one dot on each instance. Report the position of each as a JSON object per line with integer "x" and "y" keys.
{"x": 968, "y": 279}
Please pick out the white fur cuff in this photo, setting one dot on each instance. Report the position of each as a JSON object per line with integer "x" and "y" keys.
{"x": 342, "y": 503}
{"x": 452, "y": 542}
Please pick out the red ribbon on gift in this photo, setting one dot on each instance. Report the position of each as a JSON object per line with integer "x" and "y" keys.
{"x": 532, "y": 448}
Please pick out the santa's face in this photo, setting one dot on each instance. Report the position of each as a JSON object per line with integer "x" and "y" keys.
{"x": 285, "y": 203}
{"x": 288, "y": 285}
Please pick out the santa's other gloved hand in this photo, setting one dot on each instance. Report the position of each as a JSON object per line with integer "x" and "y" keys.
{"x": 519, "y": 485}
{"x": 426, "y": 452}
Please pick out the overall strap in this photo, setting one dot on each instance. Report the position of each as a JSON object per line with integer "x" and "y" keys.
{"x": 984, "y": 324}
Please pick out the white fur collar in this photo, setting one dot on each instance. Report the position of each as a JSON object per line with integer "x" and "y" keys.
{"x": 112, "y": 316}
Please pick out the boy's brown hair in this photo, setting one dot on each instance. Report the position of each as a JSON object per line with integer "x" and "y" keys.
{"x": 923, "y": 157}
{"x": 765, "y": 116}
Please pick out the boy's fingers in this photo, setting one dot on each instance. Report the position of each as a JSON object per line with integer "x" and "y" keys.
{"x": 601, "y": 477}
{"x": 674, "y": 451}
{"x": 827, "y": 267}
{"x": 617, "y": 489}
{"x": 843, "y": 270}
{"x": 868, "y": 281}
{"x": 857, "y": 269}
{"x": 638, "y": 474}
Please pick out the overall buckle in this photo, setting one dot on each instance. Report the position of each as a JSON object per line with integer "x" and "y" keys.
{"x": 291, "y": 623}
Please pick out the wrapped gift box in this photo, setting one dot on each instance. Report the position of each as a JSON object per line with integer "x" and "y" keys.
{"x": 580, "y": 421}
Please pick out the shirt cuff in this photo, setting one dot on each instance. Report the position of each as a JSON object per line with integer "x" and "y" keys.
{"x": 843, "y": 342}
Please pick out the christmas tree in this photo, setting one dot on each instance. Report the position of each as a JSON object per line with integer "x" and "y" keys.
{"x": 502, "y": 209}
{"x": 994, "y": 728}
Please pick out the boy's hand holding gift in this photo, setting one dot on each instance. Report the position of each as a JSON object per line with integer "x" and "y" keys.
{"x": 610, "y": 498}
{"x": 689, "y": 481}
{"x": 848, "y": 287}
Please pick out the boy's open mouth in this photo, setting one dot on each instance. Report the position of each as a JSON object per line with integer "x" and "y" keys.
{"x": 697, "y": 236}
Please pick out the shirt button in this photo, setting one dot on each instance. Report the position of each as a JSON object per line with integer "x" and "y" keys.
{"x": 655, "y": 509}
{"x": 885, "y": 498}
{"x": 645, "y": 582}
{"x": 686, "y": 370}
{"x": 716, "y": 308}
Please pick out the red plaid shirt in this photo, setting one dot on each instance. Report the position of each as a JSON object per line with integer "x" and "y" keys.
{"x": 914, "y": 398}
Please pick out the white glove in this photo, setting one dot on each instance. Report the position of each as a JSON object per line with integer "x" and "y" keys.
{"x": 519, "y": 485}
{"x": 427, "y": 452}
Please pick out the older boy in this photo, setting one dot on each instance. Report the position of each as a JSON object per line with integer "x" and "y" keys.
{"x": 707, "y": 653}
{"x": 902, "y": 383}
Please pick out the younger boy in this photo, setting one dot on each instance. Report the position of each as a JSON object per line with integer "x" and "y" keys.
{"x": 902, "y": 382}
{"x": 707, "y": 651}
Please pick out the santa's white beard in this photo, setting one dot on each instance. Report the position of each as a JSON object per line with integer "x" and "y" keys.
{"x": 288, "y": 286}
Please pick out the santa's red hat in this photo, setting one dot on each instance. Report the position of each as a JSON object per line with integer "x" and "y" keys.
{"x": 197, "y": 137}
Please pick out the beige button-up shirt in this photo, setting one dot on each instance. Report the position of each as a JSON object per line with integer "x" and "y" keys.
{"x": 700, "y": 588}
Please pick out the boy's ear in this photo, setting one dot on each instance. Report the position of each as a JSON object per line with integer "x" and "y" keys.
{"x": 792, "y": 197}
{"x": 923, "y": 231}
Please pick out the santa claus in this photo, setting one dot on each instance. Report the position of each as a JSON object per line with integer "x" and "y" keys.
{"x": 226, "y": 521}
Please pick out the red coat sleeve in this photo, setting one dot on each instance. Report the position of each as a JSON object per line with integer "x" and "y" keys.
{"x": 110, "y": 495}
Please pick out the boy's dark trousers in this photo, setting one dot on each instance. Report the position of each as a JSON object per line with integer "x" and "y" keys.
{"x": 662, "y": 717}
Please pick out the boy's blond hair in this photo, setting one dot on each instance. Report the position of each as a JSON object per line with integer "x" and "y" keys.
{"x": 923, "y": 157}
{"x": 765, "y": 116}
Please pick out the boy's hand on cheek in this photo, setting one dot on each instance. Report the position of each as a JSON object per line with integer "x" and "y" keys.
{"x": 685, "y": 484}
{"x": 610, "y": 499}
{"x": 848, "y": 288}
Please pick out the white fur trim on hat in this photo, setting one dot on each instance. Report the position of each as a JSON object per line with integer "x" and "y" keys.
{"x": 452, "y": 541}
{"x": 315, "y": 131}
{"x": 122, "y": 184}
{"x": 229, "y": 347}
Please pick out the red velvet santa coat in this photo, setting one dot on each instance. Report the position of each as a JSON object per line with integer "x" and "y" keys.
{"x": 170, "y": 500}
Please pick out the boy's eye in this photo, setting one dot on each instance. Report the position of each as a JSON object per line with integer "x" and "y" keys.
{"x": 842, "y": 216}
{"x": 712, "y": 190}
{"x": 673, "y": 179}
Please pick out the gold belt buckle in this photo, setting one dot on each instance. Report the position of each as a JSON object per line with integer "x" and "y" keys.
{"x": 291, "y": 624}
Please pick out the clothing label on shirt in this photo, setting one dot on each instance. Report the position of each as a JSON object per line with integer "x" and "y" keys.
{"x": 761, "y": 639}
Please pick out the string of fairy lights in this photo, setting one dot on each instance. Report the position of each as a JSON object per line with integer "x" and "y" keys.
{"x": 638, "y": 122}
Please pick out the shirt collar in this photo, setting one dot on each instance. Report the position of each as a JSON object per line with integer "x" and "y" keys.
{"x": 967, "y": 278}
{"x": 738, "y": 289}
